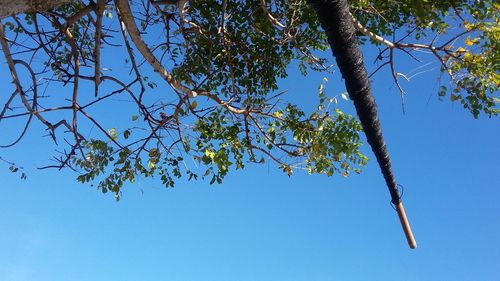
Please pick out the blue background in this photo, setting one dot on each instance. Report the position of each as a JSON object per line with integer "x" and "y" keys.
{"x": 262, "y": 225}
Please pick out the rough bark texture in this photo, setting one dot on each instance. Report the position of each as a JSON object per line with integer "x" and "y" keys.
{"x": 13, "y": 7}
{"x": 336, "y": 21}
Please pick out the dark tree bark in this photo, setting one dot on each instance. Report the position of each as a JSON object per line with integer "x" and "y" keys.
{"x": 336, "y": 21}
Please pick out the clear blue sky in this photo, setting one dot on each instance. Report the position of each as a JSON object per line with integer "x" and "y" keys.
{"x": 262, "y": 225}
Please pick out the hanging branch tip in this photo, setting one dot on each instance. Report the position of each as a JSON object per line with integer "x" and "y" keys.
{"x": 406, "y": 225}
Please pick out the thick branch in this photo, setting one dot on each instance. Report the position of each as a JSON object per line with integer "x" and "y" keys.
{"x": 127, "y": 19}
{"x": 13, "y": 7}
{"x": 336, "y": 20}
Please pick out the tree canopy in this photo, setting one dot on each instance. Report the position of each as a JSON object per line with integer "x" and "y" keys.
{"x": 202, "y": 80}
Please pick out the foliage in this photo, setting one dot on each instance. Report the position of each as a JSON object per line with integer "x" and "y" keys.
{"x": 464, "y": 37}
{"x": 222, "y": 61}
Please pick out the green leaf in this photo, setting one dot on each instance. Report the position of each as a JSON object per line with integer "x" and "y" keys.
{"x": 126, "y": 134}
{"x": 112, "y": 133}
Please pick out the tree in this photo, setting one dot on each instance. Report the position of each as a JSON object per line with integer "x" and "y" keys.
{"x": 223, "y": 60}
